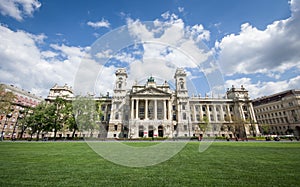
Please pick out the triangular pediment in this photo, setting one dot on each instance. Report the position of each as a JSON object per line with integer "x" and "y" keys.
{"x": 151, "y": 91}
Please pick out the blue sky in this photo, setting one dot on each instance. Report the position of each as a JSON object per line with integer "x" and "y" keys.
{"x": 254, "y": 42}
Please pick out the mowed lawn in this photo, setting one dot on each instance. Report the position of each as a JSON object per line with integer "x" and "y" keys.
{"x": 222, "y": 164}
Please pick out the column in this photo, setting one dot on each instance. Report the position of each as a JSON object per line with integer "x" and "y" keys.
{"x": 165, "y": 109}
{"x": 146, "y": 108}
{"x": 221, "y": 112}
{"x": 215, "y": 113}
{"x": 155, "y": 109}
{"x": 194, "y": 112}
{"x": 137, "y": 109}
{"x": 242, "y": 115}
{"x": 132, "y": 109}
{"x": 208, "y": 113}
{"x": 201, "y": 112}
{"x": 228, "y": 113}
{"x": 170, "y": 110}
{"x": 252, "y": 113}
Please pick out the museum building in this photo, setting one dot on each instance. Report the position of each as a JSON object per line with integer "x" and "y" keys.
{"x": 152, "y": 110}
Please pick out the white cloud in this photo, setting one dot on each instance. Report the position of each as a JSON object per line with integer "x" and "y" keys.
{"x": 18, "y": 9}
{"x": 180, "y": 9}
{"x": 99, "y": 24}
{"x": 261, "y": 88}
{"x": 25, "y": 65}
{"x": 275, "y": 48}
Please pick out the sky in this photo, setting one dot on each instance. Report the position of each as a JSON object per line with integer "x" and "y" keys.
{"x": 220, "y": 43}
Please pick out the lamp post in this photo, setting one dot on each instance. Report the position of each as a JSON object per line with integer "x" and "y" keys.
{"x": 2, "y": 133}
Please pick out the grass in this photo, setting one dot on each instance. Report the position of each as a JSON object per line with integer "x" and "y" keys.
{"x": 222, "y": 164}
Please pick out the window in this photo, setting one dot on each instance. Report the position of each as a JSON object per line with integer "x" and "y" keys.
{"x": 218, "y": 117}
{"x": 183, "y": 106}
{"x": 116, "y": 127}
{"x": 184, "y": 116}
{"x": 117, "y": 116}
{"x": 198, "y": 117}
{"x": 185, "y": 127}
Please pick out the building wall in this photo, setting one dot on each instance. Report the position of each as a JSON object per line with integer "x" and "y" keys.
{"x": 24, "y": 99}
{"x": 279, "y": 114}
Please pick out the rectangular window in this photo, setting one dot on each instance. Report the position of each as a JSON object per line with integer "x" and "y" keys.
{"x": 184, "y": 116}
{"x": 116, "y": 127}
{"x": 185, "y": 127}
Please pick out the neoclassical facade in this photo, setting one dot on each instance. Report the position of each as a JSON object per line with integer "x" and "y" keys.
{"x": 153, "y": 110}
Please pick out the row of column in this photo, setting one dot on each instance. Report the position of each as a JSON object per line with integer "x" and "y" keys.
{"x": 227, "y": 111}
{"x": 167, "y": 112}
{"x": 214, "y": 111}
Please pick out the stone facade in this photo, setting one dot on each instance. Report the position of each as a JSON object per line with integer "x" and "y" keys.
{"x": 279, "y": 114}
{"x": 152, "y": 110}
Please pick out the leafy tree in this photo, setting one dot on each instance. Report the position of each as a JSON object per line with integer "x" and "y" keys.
{"x": 86, "y": 112}
{"x": 55, "y": 115}
{"x": 265, "y": 128}
{"x": 25, "y": 122}
{"x": 70, "y": 120}
{"x": 205, "y": 125}
{"x": 6, "y": 100}
{"x": 238, "y": 127}
{"x": 37, "y": 120}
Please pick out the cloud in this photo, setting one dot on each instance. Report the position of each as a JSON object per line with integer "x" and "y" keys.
{"x": 18, "y": 9}
{"x": 180, "y": 9}
{"x": 99, "y": 24}
{"x": 251, "y": 51}
{"x": 25, "y": 65}
{"x": 264, "y": 88}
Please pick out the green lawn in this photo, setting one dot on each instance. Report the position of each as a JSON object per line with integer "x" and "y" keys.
{"x": 222, "y": 164}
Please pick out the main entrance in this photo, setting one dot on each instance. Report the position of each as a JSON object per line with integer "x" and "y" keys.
{"x": 160, "y": 131}
{"x": 150, "y": 131}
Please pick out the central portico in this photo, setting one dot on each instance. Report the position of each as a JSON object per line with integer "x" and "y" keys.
{"x": 143, "y": 111}
{"x": 151, "y": 110}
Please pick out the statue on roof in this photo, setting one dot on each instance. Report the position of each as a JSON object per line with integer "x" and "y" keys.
{"x": 151, "y": 79}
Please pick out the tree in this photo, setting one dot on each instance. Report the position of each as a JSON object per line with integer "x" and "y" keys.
{"x": 6, "y": 100}
{"x": 205, "y": 125}
{"x": 25, "y": 121}
{"x": 55, "y": 115}
{"x": 37, "y": 120}
{"x": 70, "y": 120}
{"x": 265, "y": 128}
{"x": 86, "y": 112}
{"x": 239, "y": 127}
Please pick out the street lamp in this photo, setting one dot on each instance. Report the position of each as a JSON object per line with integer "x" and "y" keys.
{"x": 2, "y": 133}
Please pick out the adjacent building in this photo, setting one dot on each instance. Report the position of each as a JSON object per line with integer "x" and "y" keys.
{"x": 23, "y": 99}
{"x": 279, "y": 114}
